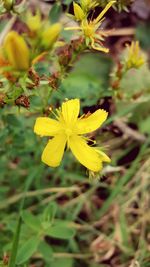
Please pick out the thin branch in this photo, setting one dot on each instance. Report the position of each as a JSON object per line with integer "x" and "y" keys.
{"x": 128, "y": 132}
{"x": 16, "y": 198}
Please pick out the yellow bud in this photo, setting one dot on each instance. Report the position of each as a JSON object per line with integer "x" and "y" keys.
{"x": 78, "y": 12}
{"x": 50, "y": 35}
{"x": 135, "y": 58}
{"x": 17, "y": 51}
{"x": 85, "y": 3}
{"x": 8, "y": 4}
{"x": 33, "y": 21}
{"x": 88, "y": 4}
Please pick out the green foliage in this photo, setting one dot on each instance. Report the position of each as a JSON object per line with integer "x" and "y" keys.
{"x": 27, "y": 250}
{"x": 86, "y": 80}
{"x": 136, "y": 81}
{"x": 142, "y": 34}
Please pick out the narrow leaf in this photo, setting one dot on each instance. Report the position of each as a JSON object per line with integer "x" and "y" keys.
{"x": 27, "y": 250}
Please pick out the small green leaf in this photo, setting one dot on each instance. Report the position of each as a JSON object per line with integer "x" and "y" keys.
{"x": 145, "y": 126}
{"x": 32, "y": 221}
{"x": 63, "y": 262}
{"x": 49, "y": 212}
{"x": 42, "y": 68}
{"x": 60, "y": 232}
{"x": 55, "y": 12}
{"x": 46, "y": 251}
{"x": 27, "y": 250}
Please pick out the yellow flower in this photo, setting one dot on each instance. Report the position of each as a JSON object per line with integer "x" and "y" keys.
{"x": 50, "y": 35}
{"x": 135, "y": 58}
{"x": 33, "y": 21}
{"x": 90, "y": 29}
{"x": 68, "y": 130}
{"x": 17, "y": 51}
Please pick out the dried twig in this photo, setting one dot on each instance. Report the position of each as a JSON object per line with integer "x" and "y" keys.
{"x": 128, "y": 132}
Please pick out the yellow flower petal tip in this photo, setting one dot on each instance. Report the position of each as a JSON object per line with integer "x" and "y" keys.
{"x": 67, "y": 130}
{"x": 17, "y": 51}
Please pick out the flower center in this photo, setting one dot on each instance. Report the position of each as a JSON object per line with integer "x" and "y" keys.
{"x": 68, "y": 132}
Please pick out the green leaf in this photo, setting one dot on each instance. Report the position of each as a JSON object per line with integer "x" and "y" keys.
{"x": 136, "y": 81}
{"x": 63, "y": 262}
{"x": 27, "y": 250}
{"x": 86, "y": 81}
{"x": 42, "y": 68}
{"x": 46, "y": 251}
{"x": 30, "y": 220}
{"x": 145, "y": 126}
{"x": 12, "y": 121}
{"x": 15, "y": 244}
{"x": 55, "y": 12}
{"x": 142, "y": 34}
{"x": 49, "y": 212}
{"x": 60, "y": 232}
{"x": 67, "y": 2}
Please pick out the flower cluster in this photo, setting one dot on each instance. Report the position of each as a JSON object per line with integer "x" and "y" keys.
{"x": 90, "y": 29}
{"x": 17, "y": 54}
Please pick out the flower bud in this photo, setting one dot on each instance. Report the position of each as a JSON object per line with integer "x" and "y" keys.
{"x": 50, "y": 35}
{"x": 135, "y": 58}
{"x": 17, "y": 51}
{"x": 87, "y": 5}
{"x": 34, "y": 21}
{"x": 8, "y": 4}
{"x": 78, "y": 12}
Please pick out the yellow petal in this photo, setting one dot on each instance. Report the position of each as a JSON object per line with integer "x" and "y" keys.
{"x": 46, "y": 126}
{"x": 98, "y": 47}
{"x": 91, "y": 123}
{"x": 103, "y": 156}
{"x": 70, "y": 111}
{"x": 85, "y": 154}
{"x": 16, "y": 51}
{"x": 104, "y": 11}
{"x": 53, "y": 152}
